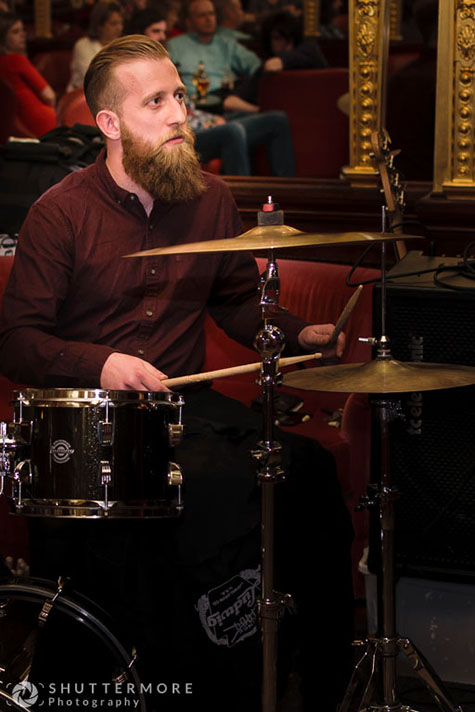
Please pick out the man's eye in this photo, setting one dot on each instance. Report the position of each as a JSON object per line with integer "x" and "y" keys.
{"x": 180, "y": 96}
{"x": 156, "y": 101}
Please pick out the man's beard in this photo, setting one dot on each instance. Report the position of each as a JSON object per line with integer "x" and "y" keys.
{"x": 172, "y": 175}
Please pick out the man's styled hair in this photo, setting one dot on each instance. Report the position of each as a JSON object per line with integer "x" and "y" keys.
{"x": 102, "y": 89}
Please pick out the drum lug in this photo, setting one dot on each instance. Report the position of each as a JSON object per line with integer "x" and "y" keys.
{"x": 104, "y": 432}
{"x": 106, "y": 479}
{"x": 175, "y": 475}
{"x": 175, "y": 434}
{"x": 19, "y": 480}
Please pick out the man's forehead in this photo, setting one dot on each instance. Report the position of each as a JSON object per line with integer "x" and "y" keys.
{"x": 134, "y": 73}
{"x": 197, "y": 7}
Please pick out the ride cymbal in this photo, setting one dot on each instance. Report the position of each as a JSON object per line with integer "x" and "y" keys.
{"x": 382, "y": 376}
{"x": 274, "y": 237}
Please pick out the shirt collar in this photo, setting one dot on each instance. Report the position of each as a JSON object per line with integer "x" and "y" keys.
{"x": 120, "y": 195}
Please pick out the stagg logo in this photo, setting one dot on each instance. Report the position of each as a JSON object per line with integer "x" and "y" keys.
{"x": 61, "y": 451}
{"x": 25, "y": 694}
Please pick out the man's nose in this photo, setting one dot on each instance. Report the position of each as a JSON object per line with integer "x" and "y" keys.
{"x": 176, "y": 112}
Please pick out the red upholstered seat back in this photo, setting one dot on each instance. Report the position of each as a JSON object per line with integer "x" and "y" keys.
{"x": 319, "y": 129}
{"x": 73, "y": 109}
{"x": 316, "y": 291}
{"x": 54, "y": 66}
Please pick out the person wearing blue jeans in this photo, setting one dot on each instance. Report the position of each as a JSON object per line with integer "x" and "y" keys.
{"x": 234, "y": 141}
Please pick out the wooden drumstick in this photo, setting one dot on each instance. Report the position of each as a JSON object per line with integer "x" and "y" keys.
{"x": 344, "y": 316}
{"x": 233, "y": 371}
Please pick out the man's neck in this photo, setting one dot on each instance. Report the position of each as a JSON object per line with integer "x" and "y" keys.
{"x": 116, "y": 169}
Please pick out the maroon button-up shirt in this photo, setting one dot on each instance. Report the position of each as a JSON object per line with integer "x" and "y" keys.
{"x": 73, "y": 299}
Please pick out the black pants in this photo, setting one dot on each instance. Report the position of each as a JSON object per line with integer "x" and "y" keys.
{"x": 183, "y": 591}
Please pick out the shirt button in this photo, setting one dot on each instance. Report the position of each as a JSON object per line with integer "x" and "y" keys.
{"x": 153, "y": 271}
{"x": 149, "y": 312}
{"x": 140, "y": 352}
{"x": 132, "y": 197}
{"x": 150, "y": 227}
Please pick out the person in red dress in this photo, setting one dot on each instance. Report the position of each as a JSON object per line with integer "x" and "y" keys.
{"x": 35, "y": 98}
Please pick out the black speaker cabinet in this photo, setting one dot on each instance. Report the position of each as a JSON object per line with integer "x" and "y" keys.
{"x": 432, "y": 448}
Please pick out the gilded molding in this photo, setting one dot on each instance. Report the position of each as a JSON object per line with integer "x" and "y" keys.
{"x": 467, "y": 9}
{"x": 366, "y": 76}
{"x": 466, "y": 42}
{"x": 454, "y": 149}
{"x": 366, "y": 39}
{"x": 395, "y": 20}
{"x": 311, "y": 18}
{"x": 43, "y": 18}
{"x": 367, "y": 8}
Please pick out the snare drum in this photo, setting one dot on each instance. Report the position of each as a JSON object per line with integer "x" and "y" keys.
{"x": 98, "y": 453}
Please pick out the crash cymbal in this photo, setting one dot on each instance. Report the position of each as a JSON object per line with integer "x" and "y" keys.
{"x": 273, "y": 237}
{"x": 381, "y": 376}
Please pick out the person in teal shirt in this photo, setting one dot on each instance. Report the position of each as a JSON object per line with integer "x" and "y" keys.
{"x": 219, "y": 51}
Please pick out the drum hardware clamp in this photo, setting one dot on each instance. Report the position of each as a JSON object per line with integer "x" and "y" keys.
{"x": 50, "y": 602}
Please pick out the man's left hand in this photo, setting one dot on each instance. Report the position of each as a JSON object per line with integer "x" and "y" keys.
{"x": 317, "y": 336}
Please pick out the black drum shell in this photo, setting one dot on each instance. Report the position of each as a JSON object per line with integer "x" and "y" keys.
{"x": 69, "y": 457}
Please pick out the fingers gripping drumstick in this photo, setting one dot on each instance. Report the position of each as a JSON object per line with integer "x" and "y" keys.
{"x": 344, "y": 316}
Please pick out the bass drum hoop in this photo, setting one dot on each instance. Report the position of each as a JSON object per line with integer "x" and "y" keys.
{"x": 36, "y": 590}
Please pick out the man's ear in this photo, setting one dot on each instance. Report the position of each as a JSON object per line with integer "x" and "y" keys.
{"x": 108, "y": 123}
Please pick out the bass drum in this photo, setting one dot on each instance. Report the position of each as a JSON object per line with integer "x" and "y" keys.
{"x": 97, "y": 454}
{"x": 59, "y": 650}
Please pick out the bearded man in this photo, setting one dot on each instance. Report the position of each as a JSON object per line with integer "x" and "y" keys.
{"x": 76, "y": 314}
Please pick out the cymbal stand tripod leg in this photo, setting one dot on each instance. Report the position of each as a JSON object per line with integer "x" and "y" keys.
{"x": 385, "y": 648}
{"x": 269, "y": 343}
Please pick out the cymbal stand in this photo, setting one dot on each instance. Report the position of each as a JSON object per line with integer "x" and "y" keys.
{"x": 380, "y": 653}
{"x": 269, "y": 343}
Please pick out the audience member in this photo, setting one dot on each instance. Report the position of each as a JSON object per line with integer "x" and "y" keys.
{"x": 151, "y": 22}
{"x": 106, "y": 24}
{"x": 285, "y": 46}
{"x": 35, "y": 98}
{"x": 222, "y": 55}
{"x": 231, "y": 18}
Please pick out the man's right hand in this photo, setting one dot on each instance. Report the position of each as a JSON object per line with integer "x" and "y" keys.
{"x": 123, "y": 372}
